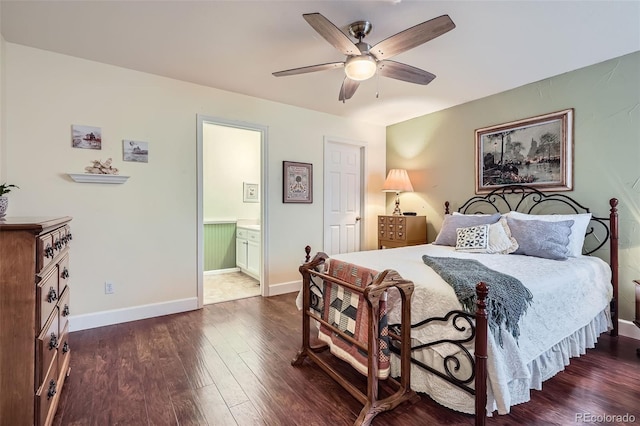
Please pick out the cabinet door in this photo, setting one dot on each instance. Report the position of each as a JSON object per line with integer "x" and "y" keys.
{"x": 253, "y": 257}
{"x": 241, "y": 253}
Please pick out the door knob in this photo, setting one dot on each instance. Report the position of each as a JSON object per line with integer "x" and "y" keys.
{"x": 358, "y": 218}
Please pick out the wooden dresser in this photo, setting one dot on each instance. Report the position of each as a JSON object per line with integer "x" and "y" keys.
{"x": 400, "y": 231}
{"x": 34, "y": 318}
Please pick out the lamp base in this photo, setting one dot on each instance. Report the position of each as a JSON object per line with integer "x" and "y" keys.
{"x": 396, "y": 211}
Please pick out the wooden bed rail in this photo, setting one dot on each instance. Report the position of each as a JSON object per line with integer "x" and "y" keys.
{"x": 613, "y": 261}
{"x": 372, "y": 294}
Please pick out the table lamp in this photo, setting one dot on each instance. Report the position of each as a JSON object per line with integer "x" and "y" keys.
{"x": 397, "y": 181}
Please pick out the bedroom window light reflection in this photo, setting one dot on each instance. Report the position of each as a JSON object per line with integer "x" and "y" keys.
{"x": 397, "y": 181}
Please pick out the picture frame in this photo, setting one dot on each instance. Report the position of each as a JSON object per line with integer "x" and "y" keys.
{"x": 297, "y": 179}
{"x": 536, "y": 151}
{"x": 135, "y": 151}
{"x": 250, "y": 192}
{"x": 86, "y": 137}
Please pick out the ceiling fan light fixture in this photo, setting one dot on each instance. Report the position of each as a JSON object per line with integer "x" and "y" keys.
{"x": 360, "y": 68}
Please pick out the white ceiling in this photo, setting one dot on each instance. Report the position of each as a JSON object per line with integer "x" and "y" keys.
{"x": 236, "y": 45}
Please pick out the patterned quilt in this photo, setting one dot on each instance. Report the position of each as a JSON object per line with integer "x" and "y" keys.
{"x": 348, "y": 311}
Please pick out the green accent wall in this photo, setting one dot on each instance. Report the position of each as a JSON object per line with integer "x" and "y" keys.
{"x": 438, "y": 150}
{"x": 219, "y": 246}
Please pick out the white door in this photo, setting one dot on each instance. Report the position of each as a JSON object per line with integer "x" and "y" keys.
{"x": 342, "y": 197}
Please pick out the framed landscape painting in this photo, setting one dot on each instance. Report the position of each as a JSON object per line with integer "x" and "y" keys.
{"x": 536, "y": 152}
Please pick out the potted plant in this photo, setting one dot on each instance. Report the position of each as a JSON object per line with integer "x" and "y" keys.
{"x": 4, "y": 201}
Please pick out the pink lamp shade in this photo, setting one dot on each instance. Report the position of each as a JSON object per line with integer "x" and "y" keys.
{"x": 397, "y": 181}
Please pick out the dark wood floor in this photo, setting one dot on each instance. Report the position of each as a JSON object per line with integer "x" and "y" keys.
{"x": 229, "y": 363}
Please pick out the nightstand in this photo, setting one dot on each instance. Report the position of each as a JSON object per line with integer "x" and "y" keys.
{"x": 401, "y": 231}
{"x": 637, "y": 320}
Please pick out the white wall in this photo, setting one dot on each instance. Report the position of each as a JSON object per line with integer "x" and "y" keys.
{"x": 2, "y": 120}
{"x": 231, "y": 156}
{"x": 142, "y": 234}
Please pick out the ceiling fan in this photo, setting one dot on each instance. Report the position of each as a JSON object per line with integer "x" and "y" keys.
{"x": 363, "y": 60}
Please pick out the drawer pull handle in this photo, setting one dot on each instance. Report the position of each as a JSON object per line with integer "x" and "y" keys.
{"x": 69, "y": 236}
{"x": 65, "y": 273}
{"x": 65, "y": 310}
{"x": 52, "y": 389}
{"x": 52, "y": 296}
{"x": 48, "y": 252}
{"x": 53, "y": 342}
{"x": 65, "y": 347}
{"x": 57, "y": 244}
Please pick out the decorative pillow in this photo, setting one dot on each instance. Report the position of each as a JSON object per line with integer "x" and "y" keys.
{"x": 539, "y": 238}
{"x": 578, "y": 230}
{"x": 473, "y": 238}
{"x": 498, "y": 239}
{"x": 447, "y": 235}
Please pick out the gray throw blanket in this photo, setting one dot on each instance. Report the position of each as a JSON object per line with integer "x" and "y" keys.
{"x": 507, "y": 300}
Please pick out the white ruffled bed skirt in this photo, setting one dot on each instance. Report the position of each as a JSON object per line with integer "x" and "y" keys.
{"x": 518, "y": 391}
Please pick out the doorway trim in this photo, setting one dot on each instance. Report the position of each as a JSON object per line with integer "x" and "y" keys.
{"x": 264, "y": 235}
{"x": 328, "y": 141}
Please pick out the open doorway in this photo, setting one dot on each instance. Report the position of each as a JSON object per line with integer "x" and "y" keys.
{"x": 230, "y": 210}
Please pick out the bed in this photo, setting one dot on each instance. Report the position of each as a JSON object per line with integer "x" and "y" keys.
{"x": 451, "y": 349}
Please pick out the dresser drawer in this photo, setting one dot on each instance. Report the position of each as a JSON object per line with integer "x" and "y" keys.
{"x": 57, "y": 244}
{"x": 65, "y": 236}
{"x": 64, "y": 351}
{"x": 253, "y": 236}
{"x": 63, "y": 272}
{"x": 46, "y": 348}
{"x": 46, "y": 297}
{"x": 45, "y": 396}
{"x": 63, "y": 310}
{"x": 44, "y": 251}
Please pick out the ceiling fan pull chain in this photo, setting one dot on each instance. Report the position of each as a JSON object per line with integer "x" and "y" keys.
{"x": 377, "y": 85}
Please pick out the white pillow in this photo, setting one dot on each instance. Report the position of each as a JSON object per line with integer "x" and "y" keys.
{"x": 500, "y": 239}
{"x": 578, "y": 229}
{"x": 494, "y": 238}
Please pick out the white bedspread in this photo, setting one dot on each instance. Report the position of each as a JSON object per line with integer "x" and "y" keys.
{"x": 568, "y": 312}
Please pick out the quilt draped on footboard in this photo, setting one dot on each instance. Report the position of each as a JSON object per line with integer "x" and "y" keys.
{"x": 348, "y": 311}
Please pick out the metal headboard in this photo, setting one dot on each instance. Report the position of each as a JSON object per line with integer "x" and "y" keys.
{"x": 526, "y": 199}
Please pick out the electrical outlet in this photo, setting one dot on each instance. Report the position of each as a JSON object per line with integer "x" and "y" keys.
{"x": 109, "y": 288}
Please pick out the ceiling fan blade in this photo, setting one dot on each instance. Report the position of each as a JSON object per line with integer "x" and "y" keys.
{"x": 412, "y": 37}
{"x": 311, "y": 68}
{"x": 348, "y": 88}
{"x": 404, "y": 72}
{"x": 331, "y": 33}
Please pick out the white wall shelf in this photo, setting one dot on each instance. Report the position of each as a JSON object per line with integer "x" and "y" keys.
{"x": 93, "y": 178}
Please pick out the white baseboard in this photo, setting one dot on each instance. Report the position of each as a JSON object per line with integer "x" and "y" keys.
{"x": 221, "y": 271}
{"x": 628, "y": 329}
{"x": 284, "y": 288}
{"x": 134, "y": 313}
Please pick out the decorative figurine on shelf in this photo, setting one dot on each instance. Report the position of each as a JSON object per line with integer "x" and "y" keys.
{"x": 100, "y": 168}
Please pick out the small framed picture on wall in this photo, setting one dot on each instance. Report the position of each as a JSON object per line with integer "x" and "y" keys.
{"x": 298, "y": 182}
{"x": 250, "y": 192}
